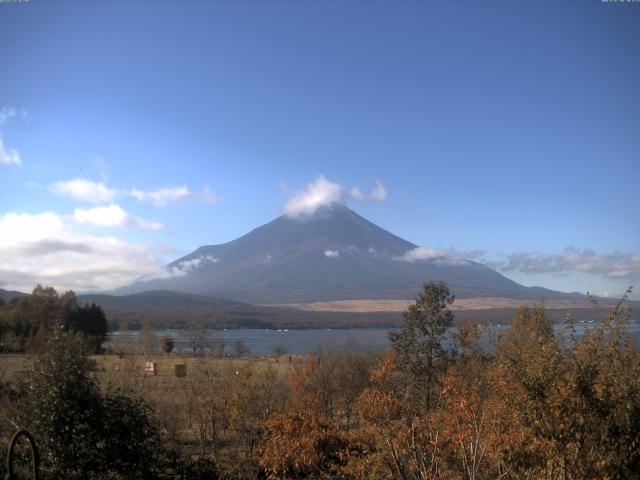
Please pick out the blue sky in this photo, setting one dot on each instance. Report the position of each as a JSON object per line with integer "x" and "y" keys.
{"x": 508, "y": 131}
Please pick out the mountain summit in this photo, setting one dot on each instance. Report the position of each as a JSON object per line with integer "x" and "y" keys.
{"x": 333, "y": 254}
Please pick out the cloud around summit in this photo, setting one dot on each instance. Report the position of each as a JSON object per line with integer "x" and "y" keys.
{"x": 323, "y": 192}
{"x": 316, "y": 194}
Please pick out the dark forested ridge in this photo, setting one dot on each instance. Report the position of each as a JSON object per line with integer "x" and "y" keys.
{"x": 167, "y": 309}
{"x": 7, "y": 295}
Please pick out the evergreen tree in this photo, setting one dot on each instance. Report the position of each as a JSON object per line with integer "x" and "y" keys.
{"x": 418, "y": 344}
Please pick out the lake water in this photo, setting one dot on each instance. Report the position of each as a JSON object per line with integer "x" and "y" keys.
{"x": 267, "y": 342}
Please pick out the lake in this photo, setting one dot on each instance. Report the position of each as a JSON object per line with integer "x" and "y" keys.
{"x": 266, "y": 342}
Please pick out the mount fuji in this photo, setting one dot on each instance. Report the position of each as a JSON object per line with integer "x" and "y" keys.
{"x": 333, "y": 254}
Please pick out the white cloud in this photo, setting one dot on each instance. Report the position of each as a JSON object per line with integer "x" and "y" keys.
{"x": 378, "y": 194}
{"x": 86, "y": 190}
{"x": 421, "y": 253}
{"x": 181, "y": 269}
{"x": 196, "y": 262}
{"x": 102, "y": 166}
{"x": 476, "y": 254}
{"x": 440, "y": 257}
{"x": 323, "y": 192}
{"x": 112, "y": 216}
{"x": 98, "y": 192}
{"x": 45, "y": 248}
{"x": 209, "y": 196}
{"x": 162, "y": 196}
{"x": 611, "y": 265}
{"x": 283, "y": 187}
{"x": 331, "y": 253}
{"x": 6, "y": 113}
{"x": 9, "y": 156}
{"x": 318, "y": 193}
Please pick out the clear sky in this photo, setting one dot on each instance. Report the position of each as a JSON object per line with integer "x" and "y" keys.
{"x": 134, "y": 132}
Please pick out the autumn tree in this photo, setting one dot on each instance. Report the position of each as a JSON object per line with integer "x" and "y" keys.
{"x": 215, "y": 343}
{"x": 466, "y": 339}
{"x": 197, "y": 337}
{"x": 240, "y": 349}
{"x": 168, "y": 344}
{"x": 148, "y": 340}
{"x": 580, "y": 397}
{"x": 255, "y": 395}
{"x": 328, "y": 385}
{"x": 481, "y": 439}
{"x": 351, "y": 378}
{"x": 395, "y": 441}
{"x": 206, "y": 392}
{"x": 314, "y": 387}
{"x": 279, "y": 350}
{"x": 297, "y": 446}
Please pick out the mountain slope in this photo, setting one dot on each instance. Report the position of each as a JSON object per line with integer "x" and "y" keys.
{"x": 7, "y": 295}
{"x": 333, "y": 255}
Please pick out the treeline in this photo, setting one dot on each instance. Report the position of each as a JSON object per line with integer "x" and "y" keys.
{"x": 539, "y": 404}
{"x": 27, "y": 322}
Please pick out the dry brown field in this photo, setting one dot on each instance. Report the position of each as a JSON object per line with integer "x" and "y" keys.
{"x": 217, "y": 393}
{"x": 370, "y": 306}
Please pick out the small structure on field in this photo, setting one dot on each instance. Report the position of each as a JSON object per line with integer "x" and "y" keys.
{"x": 180, "y": 370}
{"x": 151, "y": 368}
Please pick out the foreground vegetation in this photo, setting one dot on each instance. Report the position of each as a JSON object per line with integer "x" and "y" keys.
{"x": 538, "y": 404}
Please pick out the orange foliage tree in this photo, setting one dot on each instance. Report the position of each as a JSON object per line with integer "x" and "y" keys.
{"x": 297, "y": 446}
